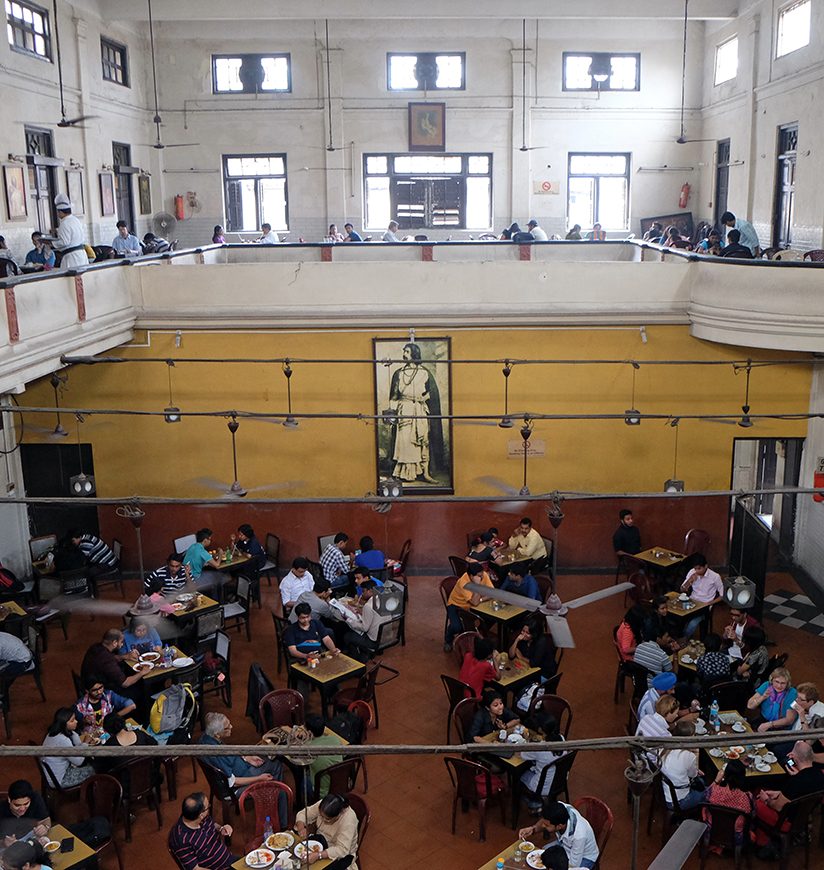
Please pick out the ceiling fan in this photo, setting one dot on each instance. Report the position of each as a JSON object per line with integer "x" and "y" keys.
{"x": 682, "y": 136}
{"x": 524, "y": 146}
{"x": 64, "y": 121}
{"x": 744, "y": 421}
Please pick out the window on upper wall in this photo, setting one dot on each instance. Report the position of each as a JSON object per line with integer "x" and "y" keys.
{"x": 601, "y": 71}
{"x": 114, "y": 59}
{"x": 426, "y": 71}
{"x": 726, "y": 61}
{"x": 251, "y": 73}
{"x": 28, "y": 29}
{"x": 255, "y": 192}
{"x": 427, "y": 191}
{"x": 793, "y": 28}
{"x": 598, "y": 190}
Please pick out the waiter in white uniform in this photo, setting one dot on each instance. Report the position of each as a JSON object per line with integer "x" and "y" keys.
{"x": 72, "y": 235}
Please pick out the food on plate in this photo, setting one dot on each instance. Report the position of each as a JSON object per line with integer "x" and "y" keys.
{"x": 535, "y": 860}
{"x": 731, "y": 754}
{"x": 313, "y": 846}
{"x": 52, "y": 846}
{"x": 142, "y": 666}
{"x": 526, "y": 846}
{"x": 149, "y": 656}
{"x": 260, "y": 858}
{"x": 687, "y": 659}
{"x": 281, "y": 840}
{"x": 177, "y": 606}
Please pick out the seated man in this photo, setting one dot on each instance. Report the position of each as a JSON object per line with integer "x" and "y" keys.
{"x": 662, "y": 684}
{"x": 361, "y": 575}
{"x": 572, "y": 831}
{"x": 202, "y": 567}
{"x": 307, "y": 636}
{"x": 24, "y": 812}
{"x": 169, "y": 579}
{"x": 99, "y": 555}
{"x": 317, "y": 727}
{"x": 96, "y": 704}
{"x": 196, "y": 840}
{"x": 521, "y": 582}
{"x": 654, "y": 655}
{"x": 460, "y": 599}
{"x": 626, "y": 539}
{"x": 296, "y": 582}
{"x": 15, "y": 656}
{"x": 249, "y": 544}
{"x": 362, "y": 636}
{"x": 526, "y": 542}
{"x": 318, "y": 599}
{"x": 241, "y": 770}
{"x": 335, "y": 565}
{"x": 734, "y": 248}
{"x": 704, "y": 586}
{"x": 153, "y": 244}
{"x": 734, "y": 632}
{"x": 102, "y": 660}
{"x": 41, "y": 256}
{"x": 125, "y": 243}
{"x": 267, "y": 237}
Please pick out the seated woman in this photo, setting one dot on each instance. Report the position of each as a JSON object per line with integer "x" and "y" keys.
{"x": 480, "y": 666}
{"x": 631, "y": 632}
{"x": 492, "y": 716}
{"x": 775, "y": 699}
{"x": 533, "y": 647}
{"x": 25, "y": 855}
{"x": 755, "y": 655}
{"x": 482, "y": 549}
{"x": 369, "y": 557}
{"x": 333, "y": 822}
{"x": 140, "y": 638}
{"x": 714, "y": 665}
{"x": 547, "y": 726}
{"x": 729, "y": 790}
{"x": 680, "y": 767}
{"x": 66, "y": 770}
{"x": 120, "y": 735}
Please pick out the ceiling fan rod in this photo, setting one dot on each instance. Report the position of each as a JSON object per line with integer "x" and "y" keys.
{"x": 523, "y": 84}
{"x": 684, "y": 69}
{"x": 330, "y": 146}
{"x": 156, "y": 118}
{"x": 59, "y": 63}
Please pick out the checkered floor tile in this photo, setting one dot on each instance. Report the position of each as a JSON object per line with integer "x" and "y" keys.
{"x": 797, "y": 611}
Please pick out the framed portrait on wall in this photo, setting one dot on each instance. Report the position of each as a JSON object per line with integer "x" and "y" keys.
{"x": 14, "y": 183}
{"x": 144, "y": 191}
{"x": 106, "y": 194}
{"x": 74, "y": 188}
{"x": 413, "y": 443}
{"x": 427, "y": 126}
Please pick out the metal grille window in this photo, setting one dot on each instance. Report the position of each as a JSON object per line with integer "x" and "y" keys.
{"x": 598, "y": 190}
{"x": 447, "y": 191}
{"x": 426, "y": 71}
{"x": 726, "y": 61}
{"x": 28, "y": 28}
{"x": 793, "y": 28}
{"x": 114, "y": 59}
{"x": 251, "y": 73}
{"x": 255, "y": 191}
{"x": 601, "y": 71}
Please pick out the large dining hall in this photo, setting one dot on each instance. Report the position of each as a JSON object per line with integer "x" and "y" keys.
{"x": 411, "y": 426}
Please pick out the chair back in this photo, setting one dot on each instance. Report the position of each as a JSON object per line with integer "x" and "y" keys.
{"x": 264, "y": 798}
{"x": 545, "y": 585}
{"x": 362, "y": 811}
{"x": 550, "y": 687}
{"x": 815, "y": 256}
{"x": 723, "y": 822}
{"x": 41, "y": 545}
{"x": 315, "y": 569}
{"x": 464, "y": 643}
{"x": 600, "y": 819}
{"x": 696, "y": 541}
{"x": 389, "y": 633}
{"x": 117, "y": 548}
{"x": 273, "y": 547}
{"x": 244, "y": 586}
{"x": 776, "y": 661}
{"x": 218, "y": 783}
{"x": 462, "y": 716}
{"x": 731, "y": 695}
{"x": 456, "y": 691}
{"x": 341, "y": 777}
{"x": 138, "y": 776}
{"x": 562, "y": 768}
{"x": 446, "y": 586}
{"x": 403, "y": 559}
{"x": 615, "y": 643}
{"x": 223, "y": 647}
{"x": 457, "y": 565}
{"x": 206, "y": 624}
{"x": 75, "y": 582}
{"x": 324, "y": 541}
{"x": 641, "y": 592}
{"x": 281, "y": 707}
{"x": 555, "y": 706}
{"x": 462, "y": 772}
{"x": 103, "y": 795}
{"x": 183, "y": 543}
{"x": 798, "y": 813}
{"x": 363, "y": 710}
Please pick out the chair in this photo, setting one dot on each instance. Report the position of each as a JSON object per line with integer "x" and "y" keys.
{"x": 462, "y": 716}
{"x": 211, "y": 684}
{"x": 390, "y": 633}
{"x": 626, "y": 566}
{"x": 632, "y": 721}
{"x": 642, "y": 590}
{"x": 366, "y": 688}
{"x": 473, "y": 536}
{"x": 75, "y": 583}
{"x": 341, "y": 777}
{"x": 112, "y": 577}
{"x": 560, "y": 776}
{"x": 316, "y": 570}
{"x": 788, "y": 255}
{"x": 456, "y": 691}
{"x": 815, "y": 256}
{"x": 281, "y": 707}
{"x": 776, "y": 661}
{"x": 601, "y": 820}
{"x": 626, "y": 669}
{"x": 465, "y": 776}
{"x": 365, "y": 713}
{"x": 183, "y": 543}
{"x": 721, "y": 832}
{"x": 281, "y": 625}
{"x": 42, "y": 621}
{"x": 361, "y": 810}
{"x": 53, "y": 793}
{"x": 403, "y": 559}
{"x": 696, "y": 541}
{"x": 769, "y": 253}
{"x": 457, "y": 565}
{"x": 323, "y": 542}
{"x": 798, "y": 813}
{"x": 464, "y": 643}
{"x": 207, "y": 625}
{"x": 555, "y": 706}
{"x": 673, "y": 814}
{"x": 237, "y": 613}
{"x": 103, "y": 795}
{"x": 265, "y": 800}
{"x": 140, "y": 778}
{"x": 273, "y": 557}
{"x": 30, "y": 638}
{"x": 731, "y": 695}
{"x": 219, "y": 788}
{"x": 545, "y": 585}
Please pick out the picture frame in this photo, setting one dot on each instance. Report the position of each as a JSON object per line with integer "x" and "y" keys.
{"x": 427, "y": 127}
{"x": 413, "y": 443}
{"x": 144, "y": 193}
{"x": 14, "y": 183}
{"x": 74, "y": 189}
{"x": 106, "y": 194}
{"x": 682, "y": 220}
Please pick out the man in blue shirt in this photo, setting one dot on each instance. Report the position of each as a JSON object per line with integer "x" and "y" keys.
{"x": 307, "y": 636}
{"x": 749, "y": 237}
{"x": 124, "y": 243}
{"x": 351, "y": 235}
{"x": 198, "y": 558}
{"x": 521, "y": 582}
{"x": 41, "y": 255}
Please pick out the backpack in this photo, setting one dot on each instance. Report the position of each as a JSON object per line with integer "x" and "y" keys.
{"x": 349, "y": 726}
{"x": 173, "y": 709}
{"x": 9, "y": 582}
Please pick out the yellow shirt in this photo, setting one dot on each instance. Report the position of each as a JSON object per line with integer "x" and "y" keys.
{"x": 529, "y": 546}
{"x": 461, "y": 596}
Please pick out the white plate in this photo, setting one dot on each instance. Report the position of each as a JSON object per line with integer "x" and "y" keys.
{"x": 769, "y": 758}
{"x": 739, "y": 727}
{"x": 717, "y": 752}
{"x": 762, "y": 766}
{"x": 300, "y": 849}
{"x": 289, "y": 840}
{"x": 149, "y": 656}
{"x": 534, "y": 859}
{"x": 183, "y": 662}
{"x": 687, "y": 660}
{"x": 260, "y": 858}
{"x": 139, "y": 667}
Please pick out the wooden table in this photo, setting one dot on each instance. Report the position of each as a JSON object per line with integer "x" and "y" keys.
{"x": 330, "y": 671}
{"x": 160, "y": 669}
{"x": 10, "y": 608}
{"x": 676, "y": 607}
{"x": 747, "y": 736}
{"x": 241, "y": 864}
{"x": 205, "y": 603}
{"x": 660, "y": 557}
{"x": 501, "y": 613}
{"x": 513, "y": 764}
{"x": 694, "y": 650}
{"x": 508, "y": 853}
{"x": 515, "y": 676}
{"x": 64, "y": 860}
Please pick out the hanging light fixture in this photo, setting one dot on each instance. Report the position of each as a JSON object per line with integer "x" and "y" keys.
{"x": 81, "y": 485}
{"x": 171, "y": 414}
{"x": 673, "y": 484}
{"x": 632, "y": 417}
{"x": 506, "y": 420}
{"x": 600, "y": 68}
{"x": 390, "y": 488}
{"x": 235, "y": 488}
{"x": 526, "y": 432}
{"x": 56, "y": 380}
{"x": 745, "y": 422}
{"x": 290, "y": 422}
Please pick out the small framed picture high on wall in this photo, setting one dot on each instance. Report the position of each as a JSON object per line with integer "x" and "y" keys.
{"x": 106, "y": 194}
{"x": 144, "y": 191}
{"x": 427, "y": 126}
{"x": 15, "y": 185}
{"x": 74, "y": 188}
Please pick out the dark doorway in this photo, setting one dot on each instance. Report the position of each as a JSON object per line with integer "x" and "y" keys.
{"x": 46, "y": 472}
{"x": 42, "y": 190}
{"x": 784, "y": 207}
{"x": 722, "y": 179}
{"x": 123, "y": 171}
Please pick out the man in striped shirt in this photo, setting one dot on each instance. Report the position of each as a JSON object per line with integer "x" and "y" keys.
{"x": 99, "y": 555}
{"x": 196, "y": 840}
{"x": 654, "y": 655}
{"x": 168, "y": 579}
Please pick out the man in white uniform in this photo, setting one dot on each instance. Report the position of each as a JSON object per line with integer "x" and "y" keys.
{"x": 72, "y": 235}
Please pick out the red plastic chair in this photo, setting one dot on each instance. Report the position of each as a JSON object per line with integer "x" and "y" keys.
{"x": 555, "y": 706}
{"x": 600, "y": 818}
{"x": 281, "y": 707}
{"x": 264, "y": 798}
{"x": 696, "y": 541}
{"x": 464, "y": 643}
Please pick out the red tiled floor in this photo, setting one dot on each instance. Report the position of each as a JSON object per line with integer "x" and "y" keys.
{"x": 410, "y": 795}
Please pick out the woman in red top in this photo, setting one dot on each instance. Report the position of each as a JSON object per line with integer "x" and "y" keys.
{"x": 728, "y": 790}
{"x": 480, "y": 666}
{"x": 630, "y": 632}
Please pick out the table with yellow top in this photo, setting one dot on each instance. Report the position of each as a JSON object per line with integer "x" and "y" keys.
{"x": 241, "y": 864}
{"x": 63, "y": 860}
{"x": 10, "y": 608}
{"x": 330, "y": 670}
{"x": 504, "y": 614}
{"x": 204, "y": 603}
{"x": 514, "y": 677}
{"x": 508, "y": 855}
{"x": 729, "y": 719}
{"x": 158, "y": 668}
{"x": 679, "y": 607}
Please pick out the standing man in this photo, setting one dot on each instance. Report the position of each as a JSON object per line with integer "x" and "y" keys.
{"x": 749, "y": 237}
{"x": 41, "y": 256}
{"x": 538, "y": 232}
{"x": 125, "y": 243}
{"x": 704, "y": 586}
{"x": 335, "y": 565}
{"x": 526, "y": 541}
{"x": 626, "y": 540}
{"x": 72, "y": 235}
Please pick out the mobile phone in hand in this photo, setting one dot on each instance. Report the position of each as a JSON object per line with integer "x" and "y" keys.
{"x": 67, "y": 844}
{"x": 790, "y": 764}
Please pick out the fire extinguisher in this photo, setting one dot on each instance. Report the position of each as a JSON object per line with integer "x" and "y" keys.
{"x": 179, "y": 214}
{"x": 818, "y": 480}
{"x": 684, "y": 198}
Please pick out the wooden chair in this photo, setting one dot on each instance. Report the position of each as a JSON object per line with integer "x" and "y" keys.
{"x": 464, "y": 643}
{"x": 103, "y": 795}
{"x": 281, "y": 707}
{"x": 366, "y": 688}
{"x": 456, "y": 691}
{"x": 626, "y": 566}
{"x": 465, "y": 776}
{"x": 815, "y": 256}
{"x": 673, "y": 814}
{"x": 316, "y": 570}
{"x": 390, "y": 633}
{"x": 210, "y": 684}
{"x": 458, "y": 565}
{"x": 731, "y": 695}
{"x": 403, "y": 560}
{"x": 362, "y": 811}
{"x": 265, "y": 800}
{"x": 341, "y": 777}
{"x": 626, "y": 669}
{"x": 555, "y": 706}
{"x": 367, "y": 716}
{"x": 560, "y": 777}
{"x": 273, "y": 557}
{"x": 112, "y": 577}
{"x": 462, "y": 716}
{"x": 54, "y": 794}
{"x": 76, "y": 583}
{"x": 769, "y": 253}
{"x": 281, "y": 625}
{"x": 140, "y": 778}
{"x": 696, "y": 541}
{"x": 238, "y": 613}
{"x": 601, "y": 820}
{"x": 219, "y": 788}
{"x": 642, "y": 591}
{"x": 721, "y": 832}
{"x": 545, "y": 585}
{"x": 799, "y": 815}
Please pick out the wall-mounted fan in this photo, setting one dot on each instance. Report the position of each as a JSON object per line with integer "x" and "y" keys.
{"x": 163, "y": 224}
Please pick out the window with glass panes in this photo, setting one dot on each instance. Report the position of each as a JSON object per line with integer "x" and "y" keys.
{"x": 598, "y": 190}
{"x": 793, "y": 28}
{"x": 726, "y": 61}
{"x": 255, "y": 192}
{"x": 427, "y": 191}
{"x": 427, "y": 71}
{"x": 113, "y": 58}
{"x": 601, "y": 71}
{"x": 251, "y": 73}
{"x": 28, "y": 28}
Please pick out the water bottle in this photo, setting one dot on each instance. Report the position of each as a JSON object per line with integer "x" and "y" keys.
{"x": 714, "y": 718}
{"x": 267, "y": 829}
{"x": 500, "y": 864}
{"x": 167, "y": 655}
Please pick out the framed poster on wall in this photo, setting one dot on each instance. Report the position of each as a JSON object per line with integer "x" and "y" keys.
{"x": 427, "y": 126}
{"x": 74, "y": 188}
{"x": 413, "y": 443}
{"x": 144, "y": 191}
{"x": 106, "y": 194}
{"x": 14, "y": 183}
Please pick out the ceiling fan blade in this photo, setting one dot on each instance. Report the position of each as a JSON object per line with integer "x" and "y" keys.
{"x": 598, "y": 595}
{"x": 497, "y": 483}
{"x": 730, "y": 422}
{"x": 159, "y": 146}
{"x": 71, "y": 122}
{"x": 210, "y": 483}
{"x": 534, "y": 147}
{"x": 560, "y": 631}
{"x": 507, "y": 597}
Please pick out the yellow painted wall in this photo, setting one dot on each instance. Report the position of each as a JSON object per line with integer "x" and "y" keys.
{"x": 135, "y": 455}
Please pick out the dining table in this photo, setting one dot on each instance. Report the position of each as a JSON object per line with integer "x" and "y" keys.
{"x": 504, "y": 615}
{"x": 10, "y": 608}
{"x": 158, "y": 668}
{"x": 513, "y": 764}
{"x": 733, "y": 723}
{"x": 513, "y": 677}
{"x": 79, "y": 853}
{"x": 684, "y": 608}
{"x": 242, "y": 864}
{"x": 661, "y": 562}
{"x": 327, "y": 674}
{"x": 507, "y": 856}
